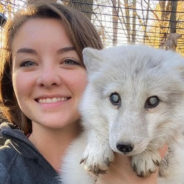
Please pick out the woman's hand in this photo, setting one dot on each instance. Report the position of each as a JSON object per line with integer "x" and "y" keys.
{"x": 121, "y": 172}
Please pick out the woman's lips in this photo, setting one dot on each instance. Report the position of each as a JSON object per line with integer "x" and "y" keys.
{"x": 52, "y": 100}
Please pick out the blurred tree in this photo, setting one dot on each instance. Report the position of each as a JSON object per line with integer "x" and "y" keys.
{"x": 134, "y": 21}
{"x": 1, "y": 8}
{"x": 173, "y": 21}
{"x": 146, "y": 19}
{"x": 115, "y": 16}
{"x": 167, "y": 29}
{"x": 85, "y": 6}
{"x": 165, "y": 8}
{"x": 2, "y": 19}
{"x": 2, "y": 16}
{"x": 127, "y": 19}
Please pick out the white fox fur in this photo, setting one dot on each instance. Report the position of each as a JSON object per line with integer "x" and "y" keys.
{"x": 133, "y": 104}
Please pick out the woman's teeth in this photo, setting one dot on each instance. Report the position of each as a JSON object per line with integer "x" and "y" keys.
{"x": 52, "y": 100}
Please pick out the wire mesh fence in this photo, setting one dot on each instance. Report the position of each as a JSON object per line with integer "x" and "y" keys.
{"x": 153, "y": 22}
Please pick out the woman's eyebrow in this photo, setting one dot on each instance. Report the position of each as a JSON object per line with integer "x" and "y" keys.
{"x": 32, "y": 51}
{"x": 26, "y": 50}
{"x": 65, "y": 49}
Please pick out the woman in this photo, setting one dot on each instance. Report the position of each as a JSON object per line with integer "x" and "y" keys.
{"x": 42, "y": 80}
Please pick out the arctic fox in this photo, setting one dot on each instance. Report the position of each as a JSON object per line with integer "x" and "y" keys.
{"x": 133, "y": 105}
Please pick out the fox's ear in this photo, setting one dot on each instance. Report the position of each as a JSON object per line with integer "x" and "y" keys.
{"x": 92, "y": 59}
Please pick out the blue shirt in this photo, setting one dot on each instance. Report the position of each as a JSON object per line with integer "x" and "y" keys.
{"x": 21, "y": 162}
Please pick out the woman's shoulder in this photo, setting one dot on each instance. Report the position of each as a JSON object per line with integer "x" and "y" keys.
{"x": 24, "y": 165}
{"x": 6, "y": 151}
{"x": 10, "y": 132}
{"x": 9, "y": 153}
{"x": 21, "y": 161}
{"x": 7, "y": 157}
{"x": 4, "y": 175}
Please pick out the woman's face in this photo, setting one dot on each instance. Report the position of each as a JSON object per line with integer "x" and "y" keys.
{"x": 48, "y": 76}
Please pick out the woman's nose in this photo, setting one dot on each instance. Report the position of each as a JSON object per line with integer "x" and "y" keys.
{"x": 49, "y": 77}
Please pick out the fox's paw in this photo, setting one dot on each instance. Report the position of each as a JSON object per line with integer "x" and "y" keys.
{"x": 97, "y": 161}
{"x": 146, "y": 163}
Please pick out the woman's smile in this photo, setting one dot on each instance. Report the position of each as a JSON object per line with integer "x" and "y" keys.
{"x": 52, "y": 103}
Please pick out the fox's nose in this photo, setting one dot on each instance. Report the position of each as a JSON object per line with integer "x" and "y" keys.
{"x": 125, "y": 147}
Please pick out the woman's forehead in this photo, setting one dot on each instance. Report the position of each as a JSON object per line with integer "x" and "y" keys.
{"x": 45, "y": 32}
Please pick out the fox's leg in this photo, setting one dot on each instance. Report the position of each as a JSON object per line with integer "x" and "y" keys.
{"x": 72, "y": 171}
{"x": 146, "y": 163}
{"x": 98, "y": 154}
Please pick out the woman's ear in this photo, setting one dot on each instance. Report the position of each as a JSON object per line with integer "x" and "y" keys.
{"x": 92, "y": 59}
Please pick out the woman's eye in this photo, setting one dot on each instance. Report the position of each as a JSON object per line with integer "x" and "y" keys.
{"x": 71, "y": 62}
{"x": 27, "y": 64}
{"x": 152, "y": 102}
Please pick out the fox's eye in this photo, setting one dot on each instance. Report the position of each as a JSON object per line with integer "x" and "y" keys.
{"x": 115, "y": 99}
{"x": 152, "y": 102}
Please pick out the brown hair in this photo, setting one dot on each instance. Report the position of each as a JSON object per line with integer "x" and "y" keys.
{"x": 80, "y": 30}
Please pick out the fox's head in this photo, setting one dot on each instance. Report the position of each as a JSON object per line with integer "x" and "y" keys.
{"x": 139, "y": 92}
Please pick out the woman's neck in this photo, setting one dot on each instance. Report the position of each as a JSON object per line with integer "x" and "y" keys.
{"x": 52, "y": 143}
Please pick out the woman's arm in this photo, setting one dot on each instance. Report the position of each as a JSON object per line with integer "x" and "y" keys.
{"x": 121, "y": 172}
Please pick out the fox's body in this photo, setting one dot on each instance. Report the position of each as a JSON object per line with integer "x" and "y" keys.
{"x": 133, "y": 105}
